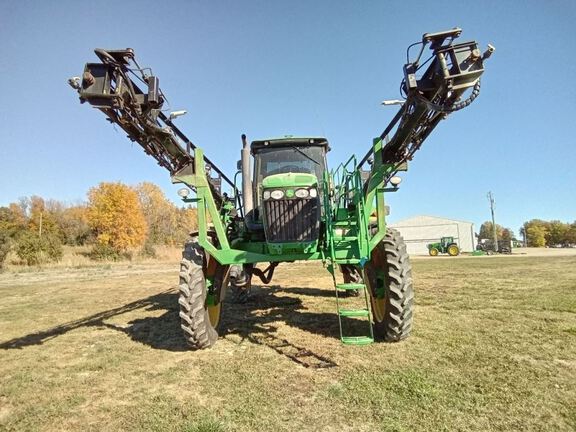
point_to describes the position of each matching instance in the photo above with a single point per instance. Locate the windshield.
(278, 160)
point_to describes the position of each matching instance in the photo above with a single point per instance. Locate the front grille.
(291, 220)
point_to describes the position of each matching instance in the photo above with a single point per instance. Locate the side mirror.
(239, 165)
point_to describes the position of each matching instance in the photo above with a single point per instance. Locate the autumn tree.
(161, 215)
(31, 229)
(502, 233)
(187, 222)
(536, 231)
(11, 221)
(73, 222)
(40, 218)
(116, 218)
(507, 234)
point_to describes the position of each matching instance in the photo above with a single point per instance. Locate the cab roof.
(289, 141)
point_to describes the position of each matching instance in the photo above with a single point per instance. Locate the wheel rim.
(453, 250)
(433, 252)
(378, 308)
(375, 281)
(214, 314)
(215, 310)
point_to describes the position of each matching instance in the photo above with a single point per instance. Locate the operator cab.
(284, 155)
(287, 187)
(277, 160)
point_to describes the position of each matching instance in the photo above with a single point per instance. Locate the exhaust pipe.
(247, 193)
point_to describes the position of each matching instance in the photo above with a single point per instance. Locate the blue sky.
(269, 68)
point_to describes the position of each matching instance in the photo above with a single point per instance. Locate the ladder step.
(354, 312)
(350, 286)
(346, 261)
(357, 340)
(344, 224)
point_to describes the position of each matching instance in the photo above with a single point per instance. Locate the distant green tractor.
(446, 245)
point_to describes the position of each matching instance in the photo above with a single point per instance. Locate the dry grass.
(77, 257)
(99, 348)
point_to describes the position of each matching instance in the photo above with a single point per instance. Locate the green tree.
(5, 246)
(571, 236)
(116, 218)
(12, 223)
(9, 223)
(557, 233)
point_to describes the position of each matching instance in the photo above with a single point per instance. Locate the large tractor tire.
(453, 250)
(199, 319)
(388, 278)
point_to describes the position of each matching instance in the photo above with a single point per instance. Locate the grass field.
(99, 348)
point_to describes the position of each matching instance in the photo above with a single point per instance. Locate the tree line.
(116, 221)
(540, 233)
(536, 232)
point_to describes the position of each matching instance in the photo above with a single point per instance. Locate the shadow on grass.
(253, 321)
(161, 301)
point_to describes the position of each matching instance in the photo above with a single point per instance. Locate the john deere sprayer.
(284, 204)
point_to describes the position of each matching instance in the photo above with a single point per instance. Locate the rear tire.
(350, 275)
(388, 277)
(197, 319)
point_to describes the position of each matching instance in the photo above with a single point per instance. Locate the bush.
(103, 252)
(35, 250)
(148, 250)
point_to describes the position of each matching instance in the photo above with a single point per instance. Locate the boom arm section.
(110, 87)
(452, 70)
(431, 95)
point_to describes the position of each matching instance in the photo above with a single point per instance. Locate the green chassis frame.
(341, 187)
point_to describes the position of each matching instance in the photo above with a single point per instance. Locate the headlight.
(277, 194)
(266, 195)
(313, 193)
(183, 192)
(302, 193)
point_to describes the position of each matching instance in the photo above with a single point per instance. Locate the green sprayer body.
(284, 204)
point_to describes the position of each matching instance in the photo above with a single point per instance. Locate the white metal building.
(418, 231)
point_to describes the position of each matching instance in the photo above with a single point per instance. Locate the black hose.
(455, 106)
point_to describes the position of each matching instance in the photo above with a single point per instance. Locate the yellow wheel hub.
(453, 250)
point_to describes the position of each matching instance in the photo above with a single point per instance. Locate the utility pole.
(494, 232)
